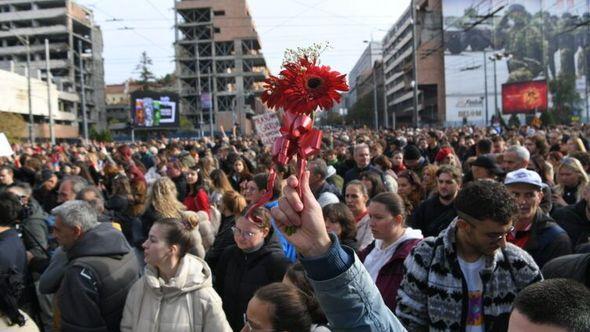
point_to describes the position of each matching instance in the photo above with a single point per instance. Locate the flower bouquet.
(302, 88)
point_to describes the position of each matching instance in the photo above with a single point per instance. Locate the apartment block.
(398, 55)
(65, 24)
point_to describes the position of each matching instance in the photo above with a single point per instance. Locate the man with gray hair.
(100, 271)
(362, 162)
(515, 157)
(70, 186)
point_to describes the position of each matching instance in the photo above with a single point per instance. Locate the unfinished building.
(64, 23)
(218, 54)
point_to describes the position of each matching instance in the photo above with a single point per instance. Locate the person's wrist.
(318, 248)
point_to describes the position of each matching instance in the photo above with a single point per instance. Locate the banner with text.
(267, 125)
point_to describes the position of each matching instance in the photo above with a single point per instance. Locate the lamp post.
(415, 116)
(495, 58)
(83, 92)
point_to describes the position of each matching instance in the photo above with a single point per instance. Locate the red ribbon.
(298, 137)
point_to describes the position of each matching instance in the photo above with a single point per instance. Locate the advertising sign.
(524, 97)
(154, 110)
(267, 126)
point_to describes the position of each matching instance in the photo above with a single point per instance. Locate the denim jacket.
(346, 292)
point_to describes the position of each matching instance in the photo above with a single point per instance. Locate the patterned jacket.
(433, 293)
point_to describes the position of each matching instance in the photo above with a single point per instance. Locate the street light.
(83, 88)
(25, 41)
(495, 58)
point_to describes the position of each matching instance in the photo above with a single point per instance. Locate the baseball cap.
(524, 176)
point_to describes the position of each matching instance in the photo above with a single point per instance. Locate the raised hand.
(311, 238)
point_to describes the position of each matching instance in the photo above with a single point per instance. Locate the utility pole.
(485, 86)
(29, 93)
(210, 106)
(375, 111)
(82, 92)
(415, 115)
(48, 68)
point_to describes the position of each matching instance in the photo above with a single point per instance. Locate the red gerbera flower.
(303, 86)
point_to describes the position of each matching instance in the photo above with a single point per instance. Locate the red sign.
(524, 97)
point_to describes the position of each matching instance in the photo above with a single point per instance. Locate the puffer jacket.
(433, 292)
(186, 303)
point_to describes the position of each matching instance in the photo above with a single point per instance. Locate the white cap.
(327, 198)
(524, 176)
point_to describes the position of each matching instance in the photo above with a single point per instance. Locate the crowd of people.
(455, 229)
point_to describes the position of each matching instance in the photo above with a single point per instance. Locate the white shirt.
(379, 256)
(471, 272)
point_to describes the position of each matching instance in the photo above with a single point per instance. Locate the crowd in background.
(452, 228)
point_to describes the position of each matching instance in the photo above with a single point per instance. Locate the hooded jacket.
(239, 275)
(186, 302)
(391, 273)
(36, 232)
(101, 270)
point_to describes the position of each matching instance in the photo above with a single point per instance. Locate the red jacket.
(391, 274)
(198, 202)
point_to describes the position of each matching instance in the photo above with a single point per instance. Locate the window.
(219, 12)
(217, 30)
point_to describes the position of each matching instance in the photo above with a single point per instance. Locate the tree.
(186, 124)
(13, 126)
(362, 111)
(565, 96)
(146, 76)
(100, 136)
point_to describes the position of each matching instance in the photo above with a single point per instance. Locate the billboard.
(524, 97)
(153, 110)
(491, 43)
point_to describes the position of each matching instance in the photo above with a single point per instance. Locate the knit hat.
(412, 152)
(443, 153)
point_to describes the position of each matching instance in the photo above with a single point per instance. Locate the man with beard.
(436, 213)
(467, 277)
(535, 231)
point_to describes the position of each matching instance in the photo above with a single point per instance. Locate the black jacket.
(223, 240)
(238, 275)
(47, 199)
(572, 218)
(576, 267)
(547, 241)
(431, 216)
(355, 172)
(181, 186)
(12, 252)
(100, 273)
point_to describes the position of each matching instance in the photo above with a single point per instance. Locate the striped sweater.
(433, 293)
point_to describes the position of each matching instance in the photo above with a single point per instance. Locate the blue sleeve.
(350, 300)
(335, 262)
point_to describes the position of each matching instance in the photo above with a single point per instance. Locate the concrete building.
(14, 92)
(218, 53)
(399, 65)
(363, 67)
(64, 23)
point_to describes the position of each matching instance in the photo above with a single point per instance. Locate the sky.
(133, 26)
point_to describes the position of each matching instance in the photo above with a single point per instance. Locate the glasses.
(249, 327)
(242, 233)
(495, 237)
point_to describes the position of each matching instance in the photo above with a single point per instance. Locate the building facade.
(398, 55)
(65, 24)
(363, 67)
(219, 63)
(14, 91)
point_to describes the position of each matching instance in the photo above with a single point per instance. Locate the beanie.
(412, 152)
(443, 153)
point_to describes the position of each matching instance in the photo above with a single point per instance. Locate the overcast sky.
(133, 26)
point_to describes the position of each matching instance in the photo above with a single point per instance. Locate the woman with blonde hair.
(219, 185)
(429, 179)
(575, 144)
(175, 294)
(161, 203)
(571, 179)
